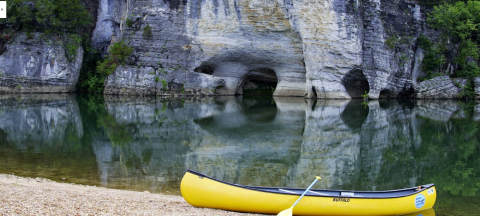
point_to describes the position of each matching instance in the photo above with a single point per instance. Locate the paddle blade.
(286, 212)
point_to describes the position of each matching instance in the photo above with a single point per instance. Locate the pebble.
(39, 196)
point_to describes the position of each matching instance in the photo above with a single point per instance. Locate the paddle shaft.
(298, 200)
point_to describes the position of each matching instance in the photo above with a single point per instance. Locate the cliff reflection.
(250, 142)
(41, 136)
(147, 143)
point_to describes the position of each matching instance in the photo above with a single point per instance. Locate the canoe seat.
(348, 194)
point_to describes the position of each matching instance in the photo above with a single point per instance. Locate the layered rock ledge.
(38, 64)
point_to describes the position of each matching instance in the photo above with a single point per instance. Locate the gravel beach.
(38, 196)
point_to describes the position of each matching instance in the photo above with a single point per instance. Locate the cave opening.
(205, 69)
(384, 94)
(260, 82)
(356, 83)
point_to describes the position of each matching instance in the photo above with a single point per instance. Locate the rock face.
(477, 87)
(107, 27)
(477, 113)
(308, 48)
(38, 65)
(442, 87)
(208, 48)
(322, 49)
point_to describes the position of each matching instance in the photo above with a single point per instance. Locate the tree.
(459, 23)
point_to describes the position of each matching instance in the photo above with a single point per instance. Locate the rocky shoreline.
(39, 196)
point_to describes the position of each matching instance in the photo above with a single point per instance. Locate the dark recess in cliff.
(356, 83)
(92, 8)
(175, 4)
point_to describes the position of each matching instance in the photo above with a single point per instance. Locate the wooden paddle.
(289, 211)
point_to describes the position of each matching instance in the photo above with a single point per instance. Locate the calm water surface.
(147, 144)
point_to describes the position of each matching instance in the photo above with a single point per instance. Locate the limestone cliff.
(38, 64)
(307, 48)
(312, 48)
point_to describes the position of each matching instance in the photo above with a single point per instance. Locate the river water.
(147, 144)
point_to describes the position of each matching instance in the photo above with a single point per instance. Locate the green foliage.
(467, 53)
(117, 133)
(72, 16)
(20, 12)
(71, 43)
(53, 16)
(45, 14)
(365, 96)
(106, 67)
(129, 22)
(457, 20)
(91, 105)
(67, 19)
(147, 32)
(90, 81)
(434, 57)
(164, 84)
(157, 79)
(118, 54)
(162, 70)
(468, 91)
(364, 104)
(459, 23)
(391, 42)
(459, 146)
(469, 70)
(95, 84)
(29, 35)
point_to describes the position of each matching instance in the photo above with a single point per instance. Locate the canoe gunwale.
(268, 190)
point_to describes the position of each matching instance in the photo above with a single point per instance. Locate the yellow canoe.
(203, 191)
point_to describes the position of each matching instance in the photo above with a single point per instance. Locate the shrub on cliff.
(459, 23)
(92, 76)
(147, 32)
(89, 80)
(67, 19)
(129, 22)
(53, 16)
(434, 57)
(118, 54)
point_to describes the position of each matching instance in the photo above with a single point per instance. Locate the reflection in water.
(148, 143)
(353, 116)
(41, 135)
(250, 148)
(427, 212)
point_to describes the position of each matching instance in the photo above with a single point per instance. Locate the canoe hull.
(202, 191)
